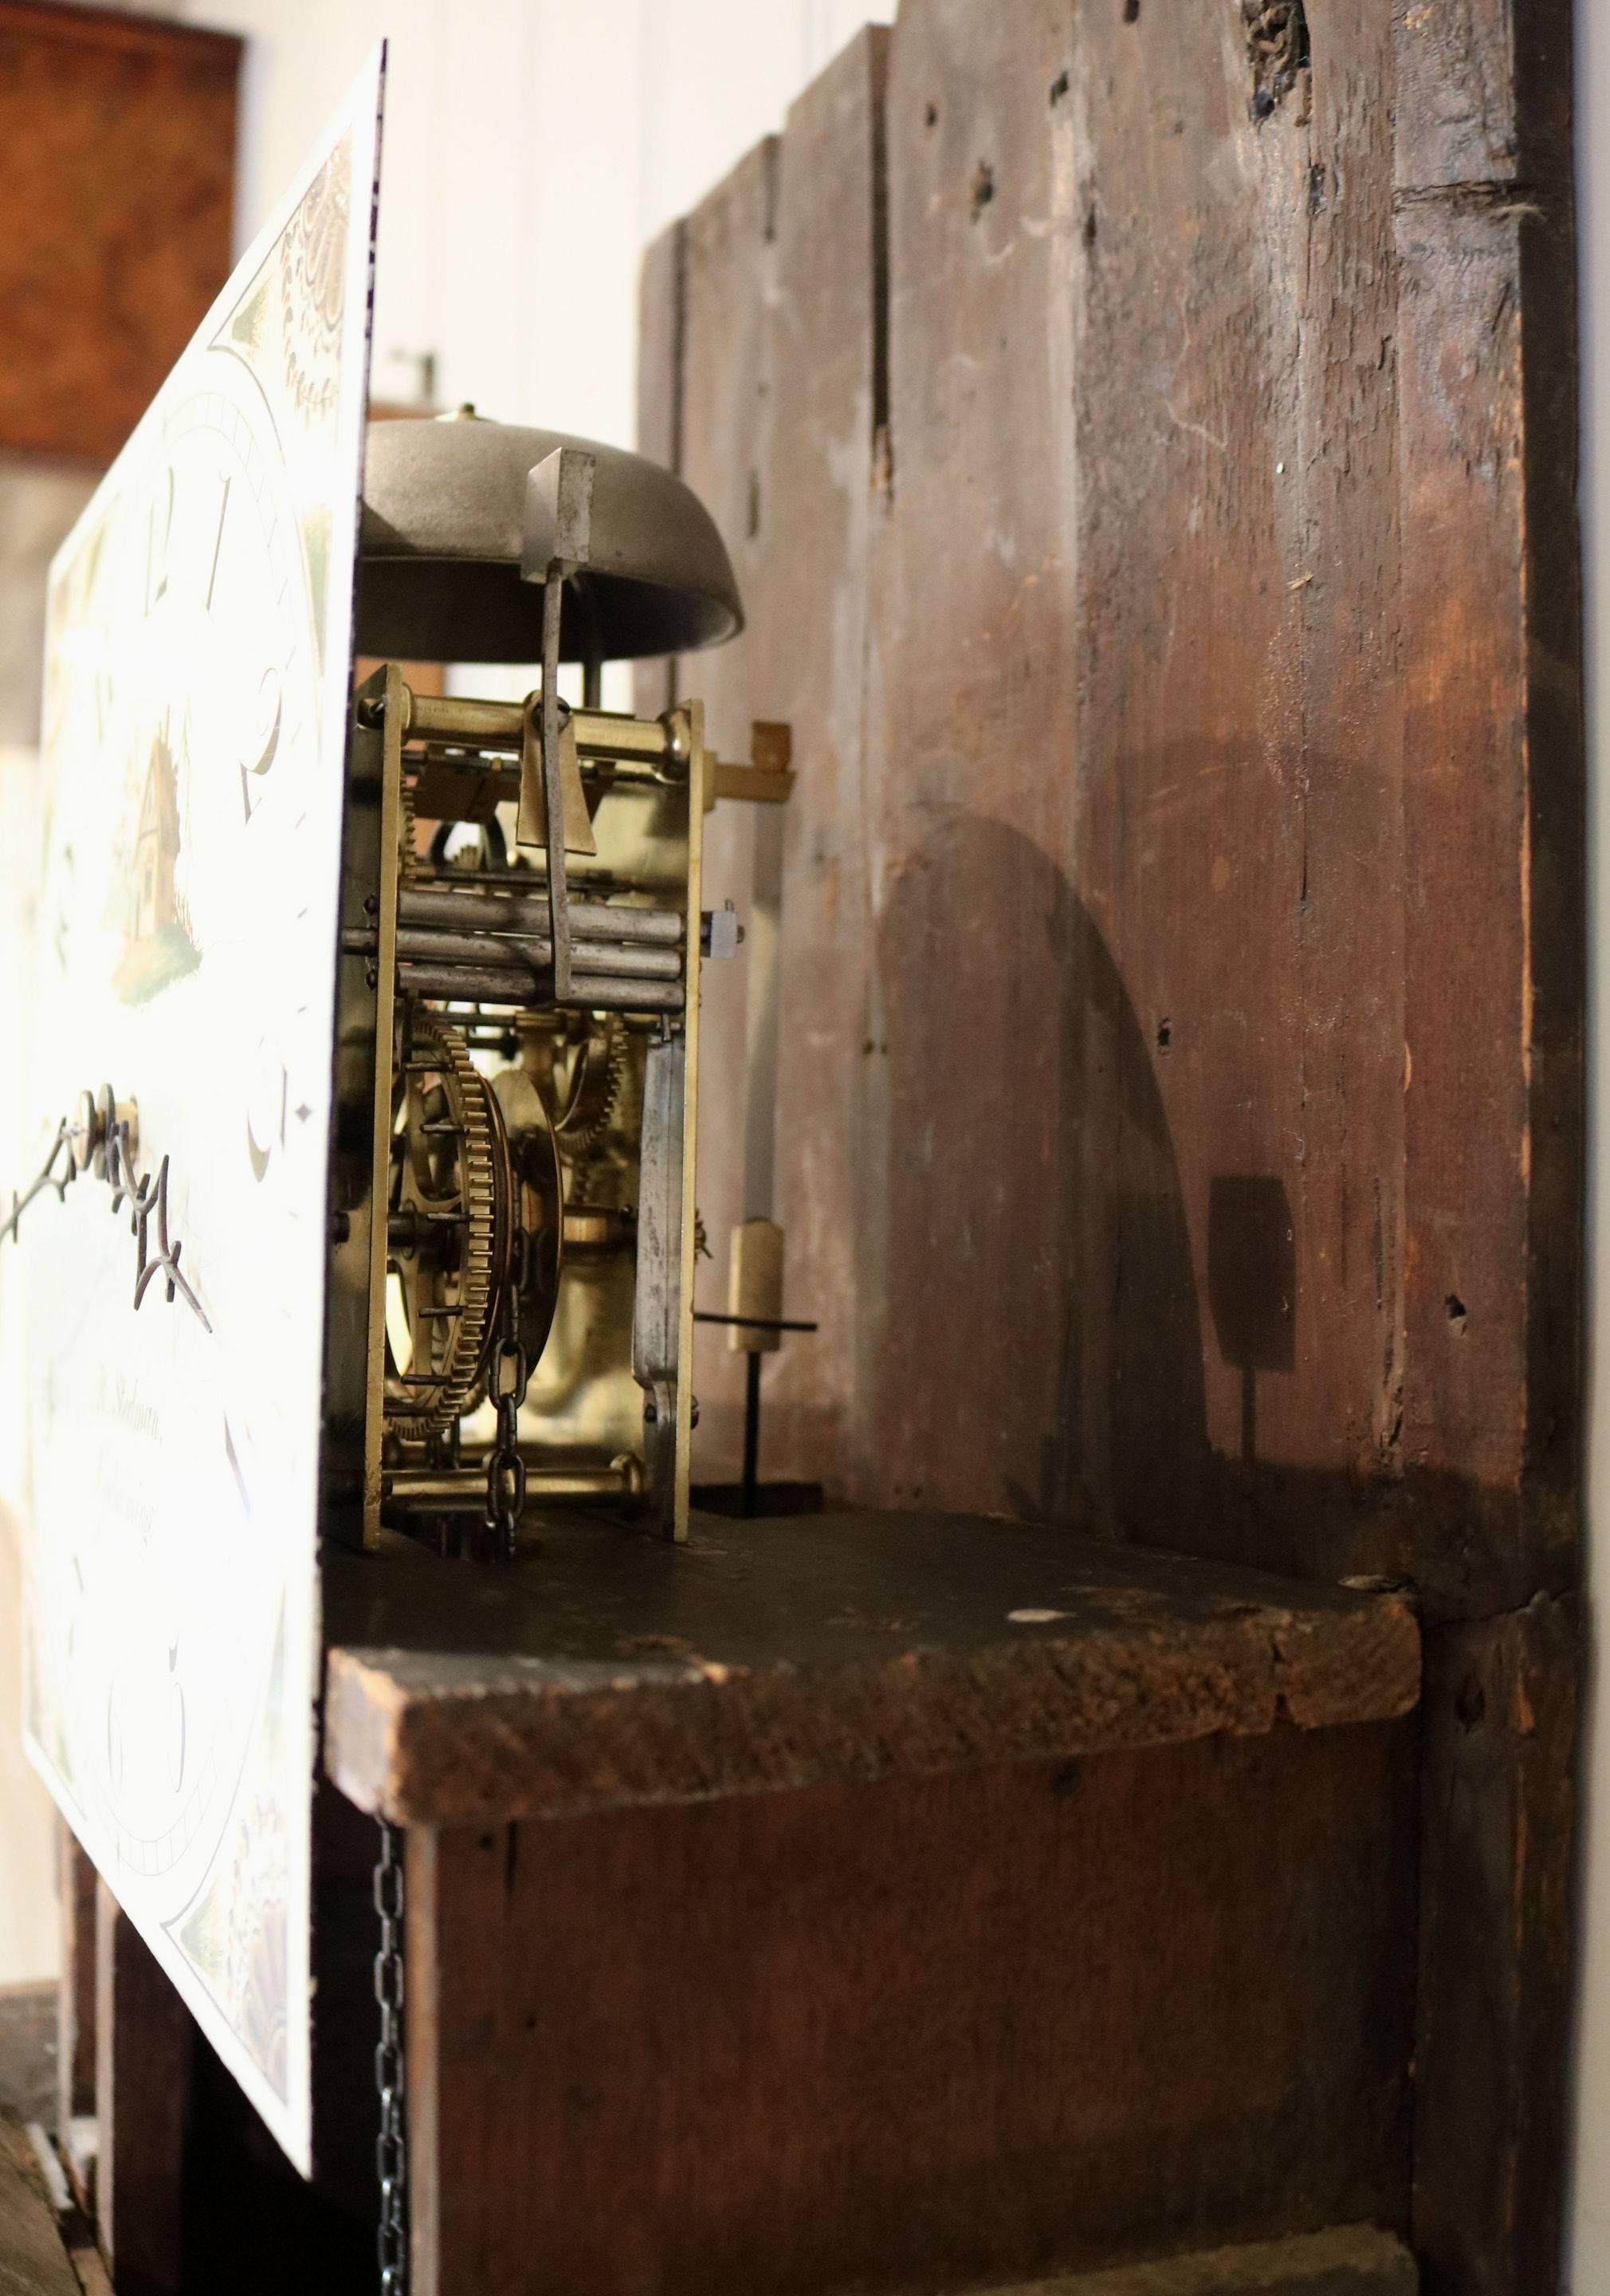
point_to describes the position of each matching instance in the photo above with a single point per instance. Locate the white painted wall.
(1588, 2253)
(532, 148)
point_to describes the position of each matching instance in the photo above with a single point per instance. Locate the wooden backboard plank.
(1493, 807)
(776, 413)
(825, 489)
(1182, 1106)
(1240, 833)
(724, 425)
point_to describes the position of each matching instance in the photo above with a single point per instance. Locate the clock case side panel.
(361, 1117)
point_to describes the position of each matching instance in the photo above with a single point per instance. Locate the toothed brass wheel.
(540, 1199)
(452, 1192)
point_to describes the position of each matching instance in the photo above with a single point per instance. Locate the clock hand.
(48, 1178)
(149, 1198)
(102, 1139)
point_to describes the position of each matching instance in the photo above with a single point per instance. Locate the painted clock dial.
(199, 662)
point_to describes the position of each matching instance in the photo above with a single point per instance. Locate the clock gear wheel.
(597, 1074)
(407, 856)
(540, 1200)
(452, 1203)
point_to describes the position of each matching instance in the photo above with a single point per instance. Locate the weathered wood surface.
(1493, 2016)
(1181, 916)
(145, 2055)
(917, 2034)
(611, 1668)
(1493, 784)
(27, 2050)
(1346, 2261)
(33, 2262)
(76, 1989)
(117, 183)
(1179, 1117)
(767, 388)
(193, 2194)
(723, 419)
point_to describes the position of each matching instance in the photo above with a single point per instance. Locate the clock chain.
(391, 2145)
(512, 1373)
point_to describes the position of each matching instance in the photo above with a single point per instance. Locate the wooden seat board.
(608, 1669)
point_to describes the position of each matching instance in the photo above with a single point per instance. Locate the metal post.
(751, 1435)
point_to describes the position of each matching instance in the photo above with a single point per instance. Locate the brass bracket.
(767, 778)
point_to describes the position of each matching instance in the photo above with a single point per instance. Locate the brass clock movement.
(365, 1065)
(521, 935)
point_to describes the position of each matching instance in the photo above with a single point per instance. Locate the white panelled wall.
(532, 148)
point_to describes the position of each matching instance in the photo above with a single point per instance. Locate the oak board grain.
(917, 2034)
(610, 1669)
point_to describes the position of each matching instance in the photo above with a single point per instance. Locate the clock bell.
(518, 1017)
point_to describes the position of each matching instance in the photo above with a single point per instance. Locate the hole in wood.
(1277, 48)
(1455, 1306)
(983, 188)
(1471, 1704)
(1059, 87)
(1131, 11)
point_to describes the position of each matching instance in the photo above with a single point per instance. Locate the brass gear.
(599, 1073)
(450, 1202)
(407, 856)
(540, 1195)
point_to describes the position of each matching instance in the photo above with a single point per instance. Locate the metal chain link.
(506, 1470)
(391, 2145)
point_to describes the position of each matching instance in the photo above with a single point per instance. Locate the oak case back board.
(1151, 470)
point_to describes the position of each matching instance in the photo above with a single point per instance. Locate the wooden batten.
(145, 2056)
(76, 1991)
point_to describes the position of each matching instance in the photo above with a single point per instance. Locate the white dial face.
(187, 963)
(197, 670)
